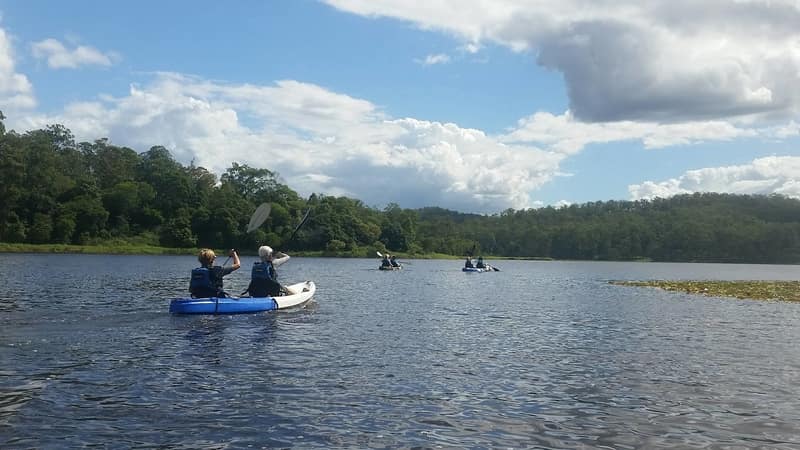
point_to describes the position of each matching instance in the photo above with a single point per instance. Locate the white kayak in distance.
(300, 294)
(479, 269)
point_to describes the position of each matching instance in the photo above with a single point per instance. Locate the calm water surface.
(538, 355)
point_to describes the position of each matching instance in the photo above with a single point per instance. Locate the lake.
(537, 355)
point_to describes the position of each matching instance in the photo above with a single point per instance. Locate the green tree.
(178, 232)
(125, 203)
(255, 185)
(168, 178)
(398, 230)
(90, 217)
(41, 229)
(111, 165)
(12, 229)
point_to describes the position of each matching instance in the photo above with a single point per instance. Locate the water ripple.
(540, 355)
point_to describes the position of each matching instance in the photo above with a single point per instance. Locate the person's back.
(480, 264)
(206, 280)
(468, 263)
(263, 280)
(393, 261)
(386, 262)
(263, 276)
(203, 283)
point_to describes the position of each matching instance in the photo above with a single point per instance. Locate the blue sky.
(468, 105)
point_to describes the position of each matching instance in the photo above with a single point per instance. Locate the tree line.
(57, 191)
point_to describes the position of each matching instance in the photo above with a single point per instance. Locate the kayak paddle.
(259, 216)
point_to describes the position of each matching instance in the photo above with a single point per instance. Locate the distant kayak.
(477, 269)
(301, 293)
(389, 267)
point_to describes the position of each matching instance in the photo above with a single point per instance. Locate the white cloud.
(318, 140)
(659, 60)
(773, 174)
(786, 130)
(60, 57)
(566, 135)
(16, 92)
(431, 60)
(471, 48)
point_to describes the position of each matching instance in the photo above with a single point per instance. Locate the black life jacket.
(204, 283)
(264, 280)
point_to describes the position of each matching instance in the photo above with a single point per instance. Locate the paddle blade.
(259, 216)
(380, 255)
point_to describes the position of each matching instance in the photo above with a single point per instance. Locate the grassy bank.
(757, 290)
(105, 249)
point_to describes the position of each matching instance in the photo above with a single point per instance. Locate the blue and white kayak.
(301, 293)
(476, 269)
(390, 267)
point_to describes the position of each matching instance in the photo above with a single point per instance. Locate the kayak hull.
(389, 268)
(301, 293)
(476, 269)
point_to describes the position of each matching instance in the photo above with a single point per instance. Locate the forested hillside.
(54, 190)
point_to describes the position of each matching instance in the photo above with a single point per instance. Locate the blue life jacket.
(204, 283)
(264, 280)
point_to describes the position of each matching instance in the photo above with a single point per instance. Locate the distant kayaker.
(480, 264)
(393, 261)
(206, 280)
(468, 263)
(386, 262)
(264, 277)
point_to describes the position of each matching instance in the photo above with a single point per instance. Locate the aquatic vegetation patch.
(757, 290)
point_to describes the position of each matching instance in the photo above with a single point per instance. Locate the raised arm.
(235, 256)
(279, 258)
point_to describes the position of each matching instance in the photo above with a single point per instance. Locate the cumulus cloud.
(58, 56)
(318, 140)
(660, 60)
(16, 92)
(773, 174)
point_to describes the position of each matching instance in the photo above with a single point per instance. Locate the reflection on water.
(540, 354)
